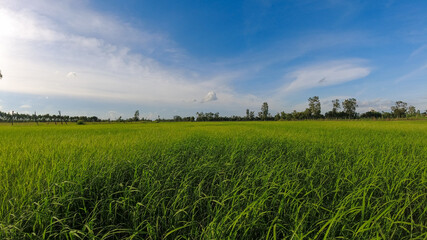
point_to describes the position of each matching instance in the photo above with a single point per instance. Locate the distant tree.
(200, 116)
(216, 116)
(264, 111)
(283, 115)
(335, 105)
(286, 116)
(334, 112)
(411, 111)
(301, 115)
(387, 115)
(35, 118)
(371, 114)
(277, 117)
(247, 114)
(399, 110)
(251, 115)
(307, 114)
(349, 106)
(177, 118)
(60, 117)
(295, 115)
(314, 106)
(136, 116)
(93, 119)
(1, 76)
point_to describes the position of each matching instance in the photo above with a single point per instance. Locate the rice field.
(238, 180)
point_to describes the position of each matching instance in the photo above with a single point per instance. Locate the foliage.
(314, 107)
(349, 106)
(312, 112)
(371, 114)
(264, 114)
(399, 110)
(136, 116)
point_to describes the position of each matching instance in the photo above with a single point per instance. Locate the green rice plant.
(241, 180)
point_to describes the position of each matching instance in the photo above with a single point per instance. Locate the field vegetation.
(234, 180)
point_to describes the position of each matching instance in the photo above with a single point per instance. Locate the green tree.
(252, 115)
(314, 106)
(399, 110)
(264, 111)
(349, 106)
(411, 111)
(136, 116)
(335, 105)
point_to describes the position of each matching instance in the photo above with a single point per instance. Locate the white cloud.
(326, 74)
(25, 106)
(30, 39)
(211, 96)
(41, 42)
(72, 75)
(378, 104)
(103, 62)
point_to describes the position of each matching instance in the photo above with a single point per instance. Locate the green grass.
(246, 180)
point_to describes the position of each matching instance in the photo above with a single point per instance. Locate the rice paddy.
(223, 180)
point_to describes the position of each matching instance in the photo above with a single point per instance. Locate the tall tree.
(399, 110)
(264, 111)
(349, 106)
(35, 118)
(136, 116)
(60, 117)
(411, 111)
(335, 105)
(314, 106)
(252, 115)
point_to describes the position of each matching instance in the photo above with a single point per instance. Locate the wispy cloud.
(418, 50)
(414, 74)
(326, 74)
(25, 106)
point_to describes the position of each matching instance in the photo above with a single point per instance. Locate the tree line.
(340, 110)
(44, 118)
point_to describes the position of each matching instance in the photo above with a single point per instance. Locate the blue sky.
(110, 58)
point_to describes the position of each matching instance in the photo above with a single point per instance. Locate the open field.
(245, 180)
